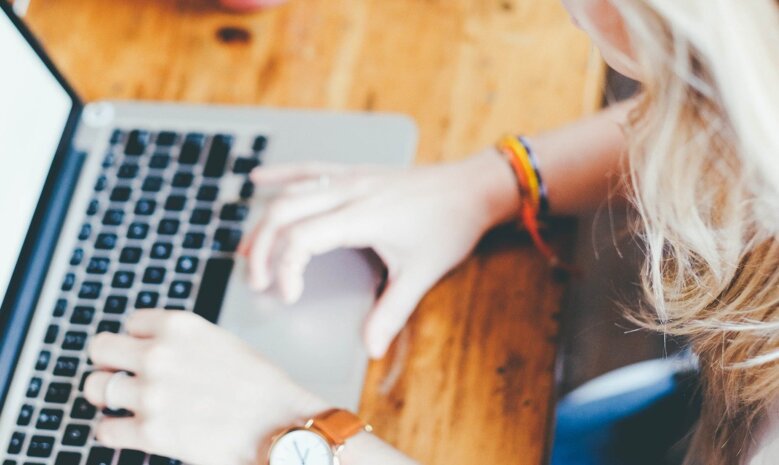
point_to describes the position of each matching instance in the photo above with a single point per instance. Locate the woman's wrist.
(495, 186)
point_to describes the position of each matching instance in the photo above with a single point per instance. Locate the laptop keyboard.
(157, 231)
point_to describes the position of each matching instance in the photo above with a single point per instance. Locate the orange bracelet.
(529, 208)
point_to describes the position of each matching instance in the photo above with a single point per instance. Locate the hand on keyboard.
(198, 393)
(421, 222)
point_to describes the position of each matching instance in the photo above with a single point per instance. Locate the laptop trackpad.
(318, 340)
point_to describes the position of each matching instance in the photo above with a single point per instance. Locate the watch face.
(301, 447)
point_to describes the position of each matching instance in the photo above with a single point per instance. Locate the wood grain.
(473, 380)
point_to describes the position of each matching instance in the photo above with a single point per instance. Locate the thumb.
(396, 304)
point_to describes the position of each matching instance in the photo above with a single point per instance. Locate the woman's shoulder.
(764, 442)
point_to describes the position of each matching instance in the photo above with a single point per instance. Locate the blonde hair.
(704, 177)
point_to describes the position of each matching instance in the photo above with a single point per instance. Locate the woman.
(697, 153)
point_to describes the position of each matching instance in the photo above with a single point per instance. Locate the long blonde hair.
(704, 177)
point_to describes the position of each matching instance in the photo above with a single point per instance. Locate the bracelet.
(534, 201)
(543, 207)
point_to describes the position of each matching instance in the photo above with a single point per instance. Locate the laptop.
(109, 207)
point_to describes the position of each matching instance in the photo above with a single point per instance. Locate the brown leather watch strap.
(339, 425)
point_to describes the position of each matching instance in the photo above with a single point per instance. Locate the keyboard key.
(234, 212)
(100, 456)
(159, 161)
(180, 289)
(182, 179)
(123, 279)
(117, 136)
(247, 190)
(105, 241)
(127, 171)
(167, 138)
(43, 360)
(101, 183)
(121, 194)
(83, 380)
(200, 216)
(175, 203)
(174, 307)
(217, 156)
(137, 230)
(49, 419)
(212, 288)
(154, 275)
(74, 340)
(34, 388)
(75, 435)
(191, 149)
(25, 415)
(186, 265)
(131, 255)
(207, 193)
(245, 165)
(40, 446)
(109, 160)
(168, 227)
(90, 290)
(58, 393)
(17, 441)
(60, 307)
(147, 299)
(158, 460)
(108, 326)
(131, 457)
(115, 304)
(137, 141)
(113, 217)
(68, 458)
(77, 256)
(145, 207)
(82, 410)
(193, 240)
(260, 142)
(98, 265)
(93, 207)
(51, 334)
(161, 250)
(152, 184)
(85, 232)
(68, 282)
(66, 366)
(226, 239)
(82, 315)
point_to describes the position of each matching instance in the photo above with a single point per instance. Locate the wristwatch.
(319, 442)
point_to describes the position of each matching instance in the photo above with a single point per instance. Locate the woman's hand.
(421, 222)
(199, 394)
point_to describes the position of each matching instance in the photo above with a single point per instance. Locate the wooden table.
(477, 370)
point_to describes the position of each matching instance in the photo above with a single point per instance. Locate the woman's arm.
(579, 163)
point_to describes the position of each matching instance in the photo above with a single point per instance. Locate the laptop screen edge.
(32, 265)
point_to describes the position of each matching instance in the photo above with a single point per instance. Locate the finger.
(281, 213)
(297, 244)
(122, 433)
(117, 352)
(146, 323)
(274, 175)
(391, 312)
(125, 391)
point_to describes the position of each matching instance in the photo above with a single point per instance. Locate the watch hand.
(305, 457)
(300, 456)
